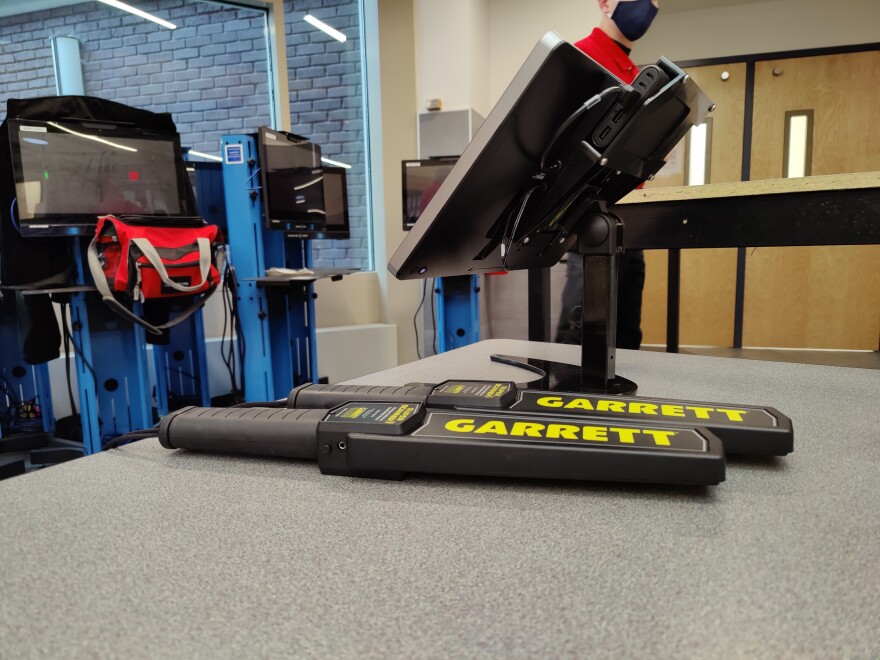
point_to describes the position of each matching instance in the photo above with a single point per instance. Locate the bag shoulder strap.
(153, 257)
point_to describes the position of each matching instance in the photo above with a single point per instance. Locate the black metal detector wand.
(390, 440)
(743, 429)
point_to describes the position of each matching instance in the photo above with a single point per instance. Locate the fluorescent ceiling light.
(138, 12)
(193, 152)
(333, 162)
(321, 25)
(91, 137)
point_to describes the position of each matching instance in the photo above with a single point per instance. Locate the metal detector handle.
(278, 432)
(330, 396)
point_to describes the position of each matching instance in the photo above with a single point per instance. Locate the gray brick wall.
(211, 75)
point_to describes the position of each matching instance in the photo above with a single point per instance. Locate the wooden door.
(708, 277)
(816, 297)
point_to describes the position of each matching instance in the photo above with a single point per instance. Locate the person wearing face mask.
(623, 22)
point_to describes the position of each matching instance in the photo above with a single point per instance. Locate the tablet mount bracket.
(600, 243)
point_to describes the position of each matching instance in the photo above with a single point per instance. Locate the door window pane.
(798, 156)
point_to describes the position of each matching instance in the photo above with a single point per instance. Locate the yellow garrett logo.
(639, 408)
(555, 431)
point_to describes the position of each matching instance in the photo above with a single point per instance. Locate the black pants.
(631, 281)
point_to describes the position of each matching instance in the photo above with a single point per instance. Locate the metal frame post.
(278, 322)
(245, 234)
(112, 374)
(458, 312)
(181, 367)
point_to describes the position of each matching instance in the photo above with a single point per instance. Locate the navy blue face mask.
(634, 18)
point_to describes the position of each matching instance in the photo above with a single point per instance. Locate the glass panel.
(211, 73)
(68, 66)
(698, 155)
(798, 141)
(327, 106)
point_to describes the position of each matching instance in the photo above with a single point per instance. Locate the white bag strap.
(153, 257)
(97, 272)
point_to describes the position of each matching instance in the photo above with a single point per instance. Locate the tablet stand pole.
(600, 242)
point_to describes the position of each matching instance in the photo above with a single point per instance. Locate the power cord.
(69, 341)
(239, 332)
(232, 318)
(434, 313)
(12, 215)
(132, 436)
(230, 368)
(67, 357)
(590, 103)
(505, 247)
(416, 315)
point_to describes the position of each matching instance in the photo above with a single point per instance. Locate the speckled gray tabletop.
(144, 552)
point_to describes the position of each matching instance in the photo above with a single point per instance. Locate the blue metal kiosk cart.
(276, 313)
(72, 159)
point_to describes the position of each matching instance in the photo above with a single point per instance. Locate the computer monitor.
(421, 180)
(565, 134)
(69, 172)
(292, 181)
(337, 223)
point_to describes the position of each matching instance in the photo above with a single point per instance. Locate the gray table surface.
(144, 552)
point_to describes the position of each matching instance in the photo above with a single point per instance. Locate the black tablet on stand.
(566, 140)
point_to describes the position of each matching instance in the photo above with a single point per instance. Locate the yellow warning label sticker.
(401, 414)
(352, 413)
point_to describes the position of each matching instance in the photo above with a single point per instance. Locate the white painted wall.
(347, 352)
(480, 92)
(452, 53)
(735, 29)
(762, 27)
(515, 26)
(391, 86)
(354, 300)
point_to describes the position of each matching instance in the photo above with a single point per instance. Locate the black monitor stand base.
(600, 242)
(563, 377)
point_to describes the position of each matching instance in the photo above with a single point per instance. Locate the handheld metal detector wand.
(743, 429)
(392, 439)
